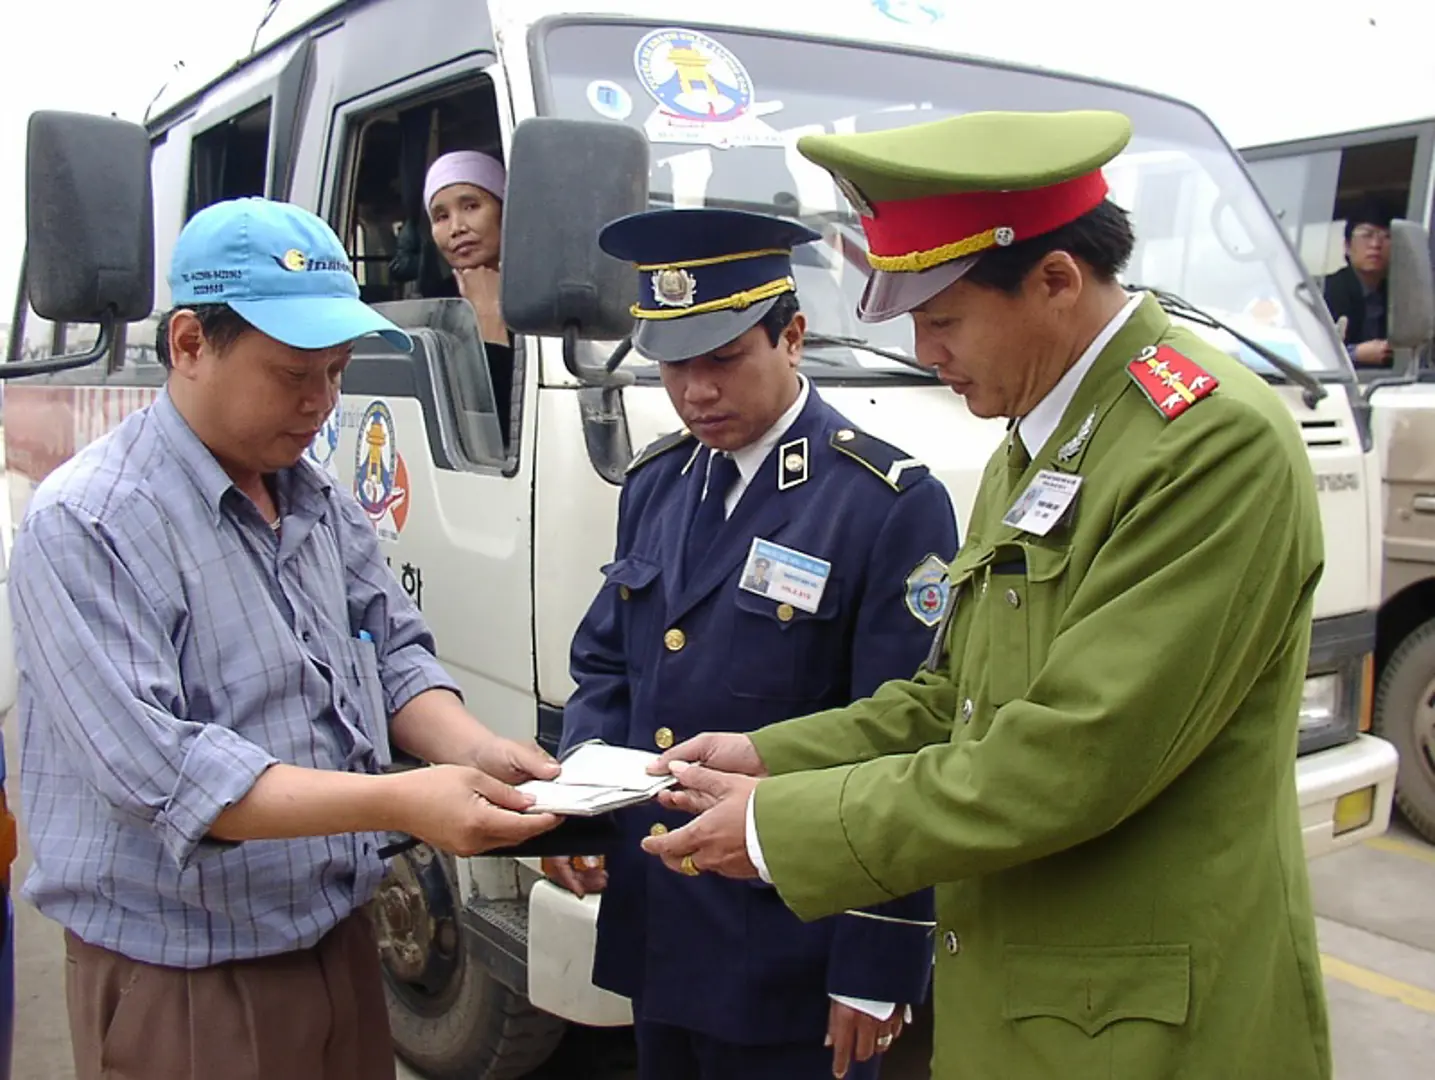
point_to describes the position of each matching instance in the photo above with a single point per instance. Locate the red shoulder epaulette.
(1171, 381)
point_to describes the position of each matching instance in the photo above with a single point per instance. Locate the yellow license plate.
(1355, 810)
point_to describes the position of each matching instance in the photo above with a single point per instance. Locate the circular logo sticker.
(294, 260)
(693, 77)
(381, 480)
(610, 100)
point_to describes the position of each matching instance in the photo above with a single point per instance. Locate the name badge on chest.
(785, 575)
(1044, 503)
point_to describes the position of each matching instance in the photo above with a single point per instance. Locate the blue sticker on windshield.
(910, 11)
(704, 93)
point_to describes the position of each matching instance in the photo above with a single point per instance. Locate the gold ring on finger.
(689, 867)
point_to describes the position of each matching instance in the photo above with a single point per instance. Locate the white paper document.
(596, 778)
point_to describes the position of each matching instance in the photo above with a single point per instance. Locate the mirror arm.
(17, 322)
(624, 348)
(16, 369)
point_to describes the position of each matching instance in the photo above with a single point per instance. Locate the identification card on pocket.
(784, 575)
(1044, 503)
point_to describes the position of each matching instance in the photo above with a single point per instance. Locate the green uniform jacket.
(1098, 773)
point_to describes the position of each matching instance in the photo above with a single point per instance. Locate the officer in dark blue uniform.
(772, 561)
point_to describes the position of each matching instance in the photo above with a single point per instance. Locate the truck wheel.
(450, 1018)
(1405, 716)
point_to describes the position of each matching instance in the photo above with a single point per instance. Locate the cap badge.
(674, 288)
(1004, 236)
(294, 260)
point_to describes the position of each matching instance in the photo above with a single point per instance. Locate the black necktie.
(711, 512)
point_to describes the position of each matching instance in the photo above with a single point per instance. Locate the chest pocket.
(779, 653)
(1025, 597)
(638, 584)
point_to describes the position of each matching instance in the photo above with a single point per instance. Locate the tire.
(453, 1021)
(1405, 717)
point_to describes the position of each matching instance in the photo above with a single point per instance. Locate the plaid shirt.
(171, 647)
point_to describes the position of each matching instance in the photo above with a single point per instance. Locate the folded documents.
(596, 778)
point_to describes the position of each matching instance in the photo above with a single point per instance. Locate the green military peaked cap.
(934, 196)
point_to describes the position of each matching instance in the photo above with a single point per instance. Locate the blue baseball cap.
(281, 268)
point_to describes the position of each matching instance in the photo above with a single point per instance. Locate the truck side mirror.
(89, 217)
(566, 180)
(1411, 319)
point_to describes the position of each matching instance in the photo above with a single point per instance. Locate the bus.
(506, 465)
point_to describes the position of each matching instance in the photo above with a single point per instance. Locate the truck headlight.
(1320, 702)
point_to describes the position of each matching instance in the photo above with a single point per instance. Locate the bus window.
(386, 229)
(230, 160)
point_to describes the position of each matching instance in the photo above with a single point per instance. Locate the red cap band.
(917, 234)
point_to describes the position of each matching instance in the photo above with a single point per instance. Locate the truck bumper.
(1345, 794)
(562, 931)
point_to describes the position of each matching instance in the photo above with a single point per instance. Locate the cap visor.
(892, 293)
(319, 322)
(671, 341)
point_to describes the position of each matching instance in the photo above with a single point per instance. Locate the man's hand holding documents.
(596, 778)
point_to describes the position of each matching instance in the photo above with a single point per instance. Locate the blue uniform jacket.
(727, 958)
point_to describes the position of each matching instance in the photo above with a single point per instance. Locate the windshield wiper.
(1313, 391)
(828, 341)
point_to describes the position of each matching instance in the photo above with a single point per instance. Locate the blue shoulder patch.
(896, 469)
(659, 447)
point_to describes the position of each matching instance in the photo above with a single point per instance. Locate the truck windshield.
(722, 110)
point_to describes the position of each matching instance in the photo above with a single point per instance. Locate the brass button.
(784, 612)
(675, 639)
(658, 830)
(664, 738)
(967, 709)
(985, 583)
(1013, 598)
(952, 942)
(624, 591)
(846, 435)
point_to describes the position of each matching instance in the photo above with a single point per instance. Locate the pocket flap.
(1045, 563)
(632, 572)
(768, 607)
(1095, 987)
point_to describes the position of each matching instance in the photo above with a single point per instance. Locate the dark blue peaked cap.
(706, 277)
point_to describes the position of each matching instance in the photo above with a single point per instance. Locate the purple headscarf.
(465, 167)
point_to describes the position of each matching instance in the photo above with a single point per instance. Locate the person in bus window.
(463, 195)
(1358, 292)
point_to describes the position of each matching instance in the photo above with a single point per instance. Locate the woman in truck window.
(463, 194)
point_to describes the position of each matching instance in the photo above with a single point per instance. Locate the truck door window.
(386, 229)
(230, 160)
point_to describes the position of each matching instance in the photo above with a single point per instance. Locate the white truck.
(504, 465)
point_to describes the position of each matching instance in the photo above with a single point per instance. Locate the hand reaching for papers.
(717, 839)
(725, 752)
(580, 874)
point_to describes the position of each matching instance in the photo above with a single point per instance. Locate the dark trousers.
(316, 1014)
(673, 1053)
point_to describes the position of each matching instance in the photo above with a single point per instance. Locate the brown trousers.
(317, 1014)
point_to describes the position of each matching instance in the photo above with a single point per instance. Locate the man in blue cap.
(771, 560)
(215, 660)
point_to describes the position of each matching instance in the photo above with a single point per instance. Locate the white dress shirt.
(1035, 428)
(750, 458)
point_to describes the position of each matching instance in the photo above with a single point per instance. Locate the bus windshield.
(722, 111)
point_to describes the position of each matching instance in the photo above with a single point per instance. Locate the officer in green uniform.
(1095, 765)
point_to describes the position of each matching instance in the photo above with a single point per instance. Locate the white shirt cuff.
(877, 1010)
(754, 849)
